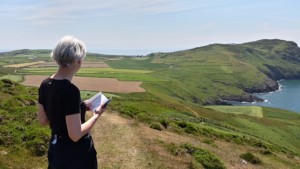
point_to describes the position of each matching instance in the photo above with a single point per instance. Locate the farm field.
(85, 64)
(92, 84)
(120, 74)
(19, 65)
(254, 111)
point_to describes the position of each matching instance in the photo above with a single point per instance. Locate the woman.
(60, 106)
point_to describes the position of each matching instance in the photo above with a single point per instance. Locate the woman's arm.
(76, 130)
(42, 115)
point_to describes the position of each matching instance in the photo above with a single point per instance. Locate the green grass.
(132, 63)
(120, 74)
(250, 158)
(88, 94)
(203, 157)
(111, 70)
(15, 78)
(206, 158)
(87, 70)
(21, 136)
(254, 111)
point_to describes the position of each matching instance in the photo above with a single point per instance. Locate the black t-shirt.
(59, 99)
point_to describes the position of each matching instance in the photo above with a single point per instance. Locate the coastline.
(250, 95)
(283, 98)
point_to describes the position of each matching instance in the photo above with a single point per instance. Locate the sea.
(287, 97)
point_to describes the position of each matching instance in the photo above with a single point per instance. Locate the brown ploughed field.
(92, 84)
(85, 64)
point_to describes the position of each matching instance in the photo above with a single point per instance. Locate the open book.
(99, 100)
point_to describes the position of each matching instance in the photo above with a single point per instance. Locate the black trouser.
(65, 154)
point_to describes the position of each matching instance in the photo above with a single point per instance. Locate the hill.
(220, 72)
(23, 143)
(166, 140)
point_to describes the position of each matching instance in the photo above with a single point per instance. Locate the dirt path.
(123, 143)
(118, 144)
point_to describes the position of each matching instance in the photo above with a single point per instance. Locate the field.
(24, 64)
(92, 84)
(254, 111)
(120, 74)
(84, 64)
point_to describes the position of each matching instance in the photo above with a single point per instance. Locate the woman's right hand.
(99, 111)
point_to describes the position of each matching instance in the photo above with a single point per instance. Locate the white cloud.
(60, 11)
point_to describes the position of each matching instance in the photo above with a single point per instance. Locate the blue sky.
(144, 26)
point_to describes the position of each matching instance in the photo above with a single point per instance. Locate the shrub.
(144, 117)
(175, 128)
(191, 128)
(129, 111)
(208, 141)
(37, 147)
(172, 148)
(206, 158)
(155, 126)
(266, 152)
(19, 129)
(164, 123)
(250, 158)
(181, 124)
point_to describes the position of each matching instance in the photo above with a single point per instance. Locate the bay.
(287, 97)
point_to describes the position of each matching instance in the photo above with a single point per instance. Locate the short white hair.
(68, 50)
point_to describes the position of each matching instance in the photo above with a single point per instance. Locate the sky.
(137, 27)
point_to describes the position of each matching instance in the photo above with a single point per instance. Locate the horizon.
(135, 52)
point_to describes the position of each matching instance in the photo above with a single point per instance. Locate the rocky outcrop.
(246, 97)
(269, 85)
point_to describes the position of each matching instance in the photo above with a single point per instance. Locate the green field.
(15, 78)
(120, 74)
(254, 111)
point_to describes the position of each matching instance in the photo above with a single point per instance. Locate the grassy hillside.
(192, 136)
(23, 143)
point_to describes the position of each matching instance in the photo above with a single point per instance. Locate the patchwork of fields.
(93, 76)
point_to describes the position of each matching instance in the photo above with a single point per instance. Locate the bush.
(206, 158)
(174, 127)
(181, 124)
(155, 126)
(37, 147)
(164, 123)
(266, 152)
(172, 148)
(208, 141)
(250, 158)
(144, 117)
(191, 128)
(19, 129)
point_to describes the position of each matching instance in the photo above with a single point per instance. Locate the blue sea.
(287, 97)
